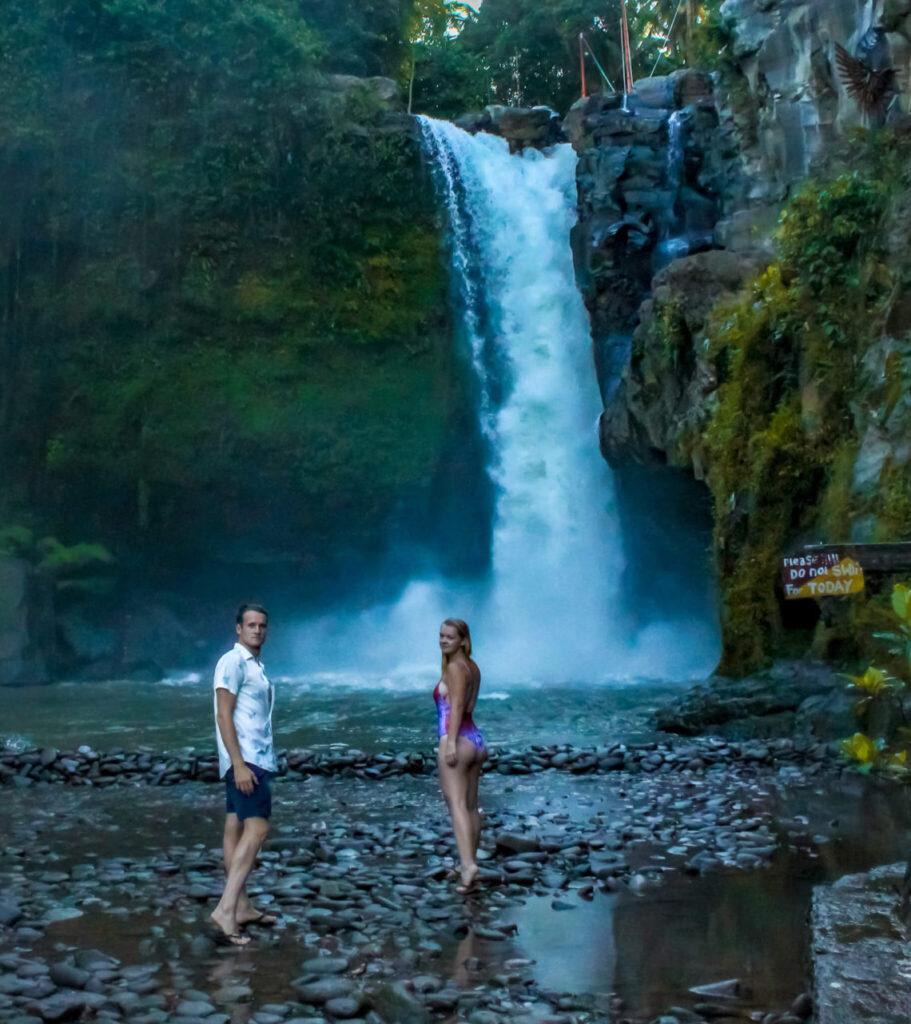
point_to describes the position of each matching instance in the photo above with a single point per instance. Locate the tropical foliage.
(880, 707)
(224, 323)
(527, 51)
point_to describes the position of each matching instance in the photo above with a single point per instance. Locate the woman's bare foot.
(469, 879)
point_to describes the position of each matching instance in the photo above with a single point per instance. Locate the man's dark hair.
(244, 608)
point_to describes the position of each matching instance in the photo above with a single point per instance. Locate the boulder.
(764, 704)
(522, 127)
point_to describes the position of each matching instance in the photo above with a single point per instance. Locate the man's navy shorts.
(258, 804)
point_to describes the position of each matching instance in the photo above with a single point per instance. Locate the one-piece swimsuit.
(467, 728)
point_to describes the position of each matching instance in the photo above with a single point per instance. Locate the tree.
(527, 51)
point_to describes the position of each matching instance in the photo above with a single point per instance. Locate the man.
(246, 760)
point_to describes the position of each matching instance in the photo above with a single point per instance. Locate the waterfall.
(672, 243)
(557, 551)
(551, 607)
(674, 151)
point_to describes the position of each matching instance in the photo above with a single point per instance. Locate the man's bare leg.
(242, 856)
(234, 829)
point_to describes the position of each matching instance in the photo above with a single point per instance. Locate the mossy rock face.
(789, 397)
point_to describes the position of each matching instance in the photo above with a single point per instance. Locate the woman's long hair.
(464, 632)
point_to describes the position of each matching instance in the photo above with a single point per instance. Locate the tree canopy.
(527, 51)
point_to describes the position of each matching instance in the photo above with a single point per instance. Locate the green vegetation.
(782, 440)
(224, 325)
(527, 51)
(76, 570)
(884, 738)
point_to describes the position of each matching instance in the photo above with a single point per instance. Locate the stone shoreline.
(370, 920)
(87, 767)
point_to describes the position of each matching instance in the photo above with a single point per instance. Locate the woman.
(461, 752)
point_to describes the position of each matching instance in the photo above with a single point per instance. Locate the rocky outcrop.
(522, 127)
(787, 105)
(743, 139)
(806, 700)
(665, 393)
(649, 184)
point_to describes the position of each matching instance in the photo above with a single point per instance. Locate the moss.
(781, 441)
(893, 517)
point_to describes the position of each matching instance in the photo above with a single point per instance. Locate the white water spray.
(551, 608)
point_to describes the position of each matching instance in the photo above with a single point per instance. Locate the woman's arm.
(455, 677)
(244, 779)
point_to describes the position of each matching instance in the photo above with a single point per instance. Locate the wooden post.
(582, 64)
(691, 56)
(627, 51)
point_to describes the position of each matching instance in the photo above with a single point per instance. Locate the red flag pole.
(582, 65)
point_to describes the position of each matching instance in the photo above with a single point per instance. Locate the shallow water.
(649, 947)
(378, 715)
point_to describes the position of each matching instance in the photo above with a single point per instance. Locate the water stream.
(552, 605)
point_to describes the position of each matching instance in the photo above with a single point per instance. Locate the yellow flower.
(860, 748)
(873, 681)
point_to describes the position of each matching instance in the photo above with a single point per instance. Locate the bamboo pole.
(691, 15)
(582, 64)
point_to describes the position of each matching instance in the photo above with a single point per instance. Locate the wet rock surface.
(860, 955)
(100, 922)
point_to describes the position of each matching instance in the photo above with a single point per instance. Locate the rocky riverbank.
(87, 767)
(359, 871)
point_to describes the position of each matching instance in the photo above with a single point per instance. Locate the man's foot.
(224, 932)
(469, 880)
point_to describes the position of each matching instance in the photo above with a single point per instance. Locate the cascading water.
(557, 553)
(673, 245)
(550, 608)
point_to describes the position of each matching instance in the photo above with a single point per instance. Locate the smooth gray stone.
(66, 1005)
(10, 912)
(344, 1007)
(194, 1008)
(318, 992)
(94, 960)
(396, 1005)
(325, 965)
(233, 994)
(68, 976)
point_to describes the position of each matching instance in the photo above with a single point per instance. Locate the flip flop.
(262, 920)
(221, 938)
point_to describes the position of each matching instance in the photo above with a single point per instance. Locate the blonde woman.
(461, 751)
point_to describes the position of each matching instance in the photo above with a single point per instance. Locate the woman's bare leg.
(474, 777)
(454, 783)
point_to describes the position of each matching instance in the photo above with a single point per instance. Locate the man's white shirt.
(241, 673)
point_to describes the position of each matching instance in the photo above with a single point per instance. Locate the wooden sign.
(821, 574)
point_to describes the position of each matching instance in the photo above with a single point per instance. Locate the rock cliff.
(680, 192)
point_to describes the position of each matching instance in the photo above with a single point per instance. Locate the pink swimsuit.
(467, 728)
